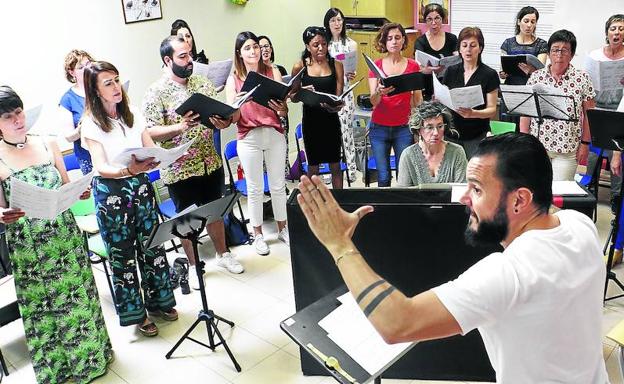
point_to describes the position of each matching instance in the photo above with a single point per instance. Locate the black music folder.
(315, 98)
(208, 107)
(269, 89)
(402, 83)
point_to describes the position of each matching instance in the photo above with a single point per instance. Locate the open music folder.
(315, 98)
(269, 89)
(405, 82)
(208, 107)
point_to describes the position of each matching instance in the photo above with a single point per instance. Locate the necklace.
(18, 145)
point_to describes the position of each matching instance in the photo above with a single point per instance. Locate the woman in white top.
(339, 44)
(125, 201)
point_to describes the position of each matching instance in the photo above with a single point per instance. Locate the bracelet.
(346, 253)
(585, 142)
(130, 172)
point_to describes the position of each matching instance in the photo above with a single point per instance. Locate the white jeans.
(564, 165)
(267, 143)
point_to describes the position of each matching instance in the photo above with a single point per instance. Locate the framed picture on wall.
(141, 10)
(420, 9)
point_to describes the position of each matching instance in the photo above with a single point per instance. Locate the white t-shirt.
(117, 140)
(538, 305)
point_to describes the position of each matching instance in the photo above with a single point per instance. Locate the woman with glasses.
(340, 44)
(434, 42)
(432, 159)
(388, 127)
(566, 141)
(72, 105)
(268, 54)
(473, 124)
(321, 125)
(524, 42)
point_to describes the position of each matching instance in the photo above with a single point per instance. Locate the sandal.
(172, 315)
(149, 329)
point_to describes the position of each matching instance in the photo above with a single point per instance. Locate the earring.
(516, 210)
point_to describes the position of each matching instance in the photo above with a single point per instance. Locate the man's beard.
(491, 231)
(182, 72)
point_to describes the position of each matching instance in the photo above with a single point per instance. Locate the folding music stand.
(188, 225)
(538, 105)
(607, 132)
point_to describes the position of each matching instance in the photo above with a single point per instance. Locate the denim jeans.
(383, 138)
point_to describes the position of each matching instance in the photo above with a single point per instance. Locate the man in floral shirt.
(195, 178)
(566, 141)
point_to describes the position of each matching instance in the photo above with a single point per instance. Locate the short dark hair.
(563, 36)
(468, 32)
(333, 12)
(9, 100)
(528, 10)
(382, 36)
(434, 7)
(521, 162)
(270, 43)
(179, 23)
(166, 49)
(613, 19)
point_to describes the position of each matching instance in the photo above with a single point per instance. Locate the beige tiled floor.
(256, 300)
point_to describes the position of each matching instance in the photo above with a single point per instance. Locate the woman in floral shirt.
(566, 141)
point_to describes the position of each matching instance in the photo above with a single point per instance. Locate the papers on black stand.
(208, 107)
(315, 98)
(425, 59)
(402, 83)
(217, 71)
(509, 64)
(270, 89)
(462, 97)
(520, 100)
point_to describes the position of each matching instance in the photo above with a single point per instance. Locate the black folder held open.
(402, 83)
(270, 89)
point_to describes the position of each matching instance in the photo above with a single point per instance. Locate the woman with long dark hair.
(260, 135)
(321, 125)
(181, 28)
(125, 201)
(340, 44)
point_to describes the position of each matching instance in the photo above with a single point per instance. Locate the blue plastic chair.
(323, 167)
(71, 161)
(166, 208)
(230, 153)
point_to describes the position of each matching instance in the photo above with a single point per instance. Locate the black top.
(450, 45)
(484, 76)
(201, 57)
(512, 47)
(422, 44)
(281, 70)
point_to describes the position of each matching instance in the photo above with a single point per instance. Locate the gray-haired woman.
(432, 159)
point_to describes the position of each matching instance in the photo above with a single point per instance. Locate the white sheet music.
(562, 188)
(605, 75)
(519, 99)
(348, 60)
(425, 59)
(353, 333)
(165, 156)
(467, 97)
(44, 203)
(216, 71)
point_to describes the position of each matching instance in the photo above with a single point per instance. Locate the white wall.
(39, 33)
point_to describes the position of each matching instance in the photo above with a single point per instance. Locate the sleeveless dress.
(321, 129)
(56, 293)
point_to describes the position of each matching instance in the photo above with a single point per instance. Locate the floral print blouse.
(159, 104)
(558, 135)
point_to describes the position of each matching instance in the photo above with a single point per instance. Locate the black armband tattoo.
(377, 300)
(368, 289)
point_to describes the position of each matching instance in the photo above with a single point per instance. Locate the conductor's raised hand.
(10, 215)
(332, 225)
(137, 166)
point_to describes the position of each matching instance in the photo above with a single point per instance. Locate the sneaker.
(284, 236)
(193, 281)
(262, 248)
(227, 261)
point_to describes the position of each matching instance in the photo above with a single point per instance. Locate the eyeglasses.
(431, 128)
(561, 51)
(336, 20)
(265, 46)
(436, 19)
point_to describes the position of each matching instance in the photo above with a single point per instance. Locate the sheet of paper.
(562, 188)
(44, 203)
(519, 99)
(442, 93)
(374, 68)
(348, 60)
(457, 191)
(605, 75)
(551, 102)
(165, 156)
(620, 107)
(425, 59)
(216, 71)
(352, 332)
(534, 61)
(467, 97)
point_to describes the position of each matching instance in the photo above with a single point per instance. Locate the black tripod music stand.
(188, 225)
(607, 132)
(536, 104)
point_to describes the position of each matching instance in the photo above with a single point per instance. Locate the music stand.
(606, 131)
(536, 104)
(188, 225)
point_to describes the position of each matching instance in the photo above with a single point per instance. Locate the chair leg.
(110, 284)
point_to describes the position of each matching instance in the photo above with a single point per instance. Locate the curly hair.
(429, 110)
(74, 57)
(382, 36)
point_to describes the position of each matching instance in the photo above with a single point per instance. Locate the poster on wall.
(141, 10)
(421, 9)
